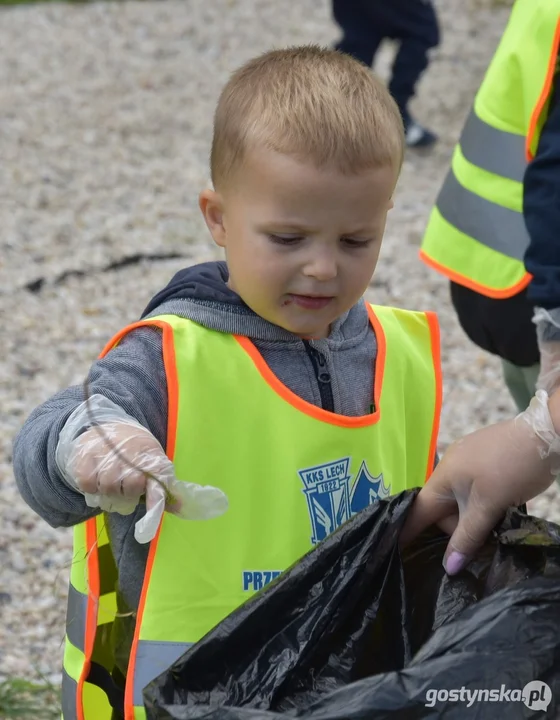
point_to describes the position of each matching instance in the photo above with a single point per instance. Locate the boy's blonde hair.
(311, 103)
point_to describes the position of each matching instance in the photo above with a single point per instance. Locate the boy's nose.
(321, 266)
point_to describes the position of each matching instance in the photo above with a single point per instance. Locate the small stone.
(18, 562)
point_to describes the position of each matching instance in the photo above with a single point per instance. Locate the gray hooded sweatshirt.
(336, 373)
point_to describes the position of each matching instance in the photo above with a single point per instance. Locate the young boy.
(267, 377)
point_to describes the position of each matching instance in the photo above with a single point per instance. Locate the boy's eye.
(294, 239)
(353, 242)
(285, 239)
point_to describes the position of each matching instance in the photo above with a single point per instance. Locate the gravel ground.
(106, 118)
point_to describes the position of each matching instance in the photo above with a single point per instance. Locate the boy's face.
(301, 243)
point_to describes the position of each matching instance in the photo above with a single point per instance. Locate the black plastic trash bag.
(354, 631)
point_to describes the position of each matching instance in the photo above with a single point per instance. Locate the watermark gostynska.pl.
(536, 695)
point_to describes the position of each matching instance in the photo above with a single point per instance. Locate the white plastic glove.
(548, 337)
(101, 463)
(481, 476)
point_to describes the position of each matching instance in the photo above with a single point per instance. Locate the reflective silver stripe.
(153, 658)
(492, 225)
(499, 152)
(76, 618)
(69, 695)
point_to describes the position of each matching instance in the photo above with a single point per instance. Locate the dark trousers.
(365, 23)
(501, 327)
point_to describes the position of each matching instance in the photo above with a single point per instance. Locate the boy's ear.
(212, 207)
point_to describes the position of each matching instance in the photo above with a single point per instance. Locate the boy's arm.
(132, 375)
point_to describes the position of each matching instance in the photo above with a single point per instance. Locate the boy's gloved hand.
(111, 465)
(481, 476)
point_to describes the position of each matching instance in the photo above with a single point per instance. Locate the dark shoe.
(417, 136)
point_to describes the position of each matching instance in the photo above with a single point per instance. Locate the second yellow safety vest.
(292, 472)
(476, 233)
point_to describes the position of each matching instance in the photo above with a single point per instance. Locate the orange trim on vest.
(168, 362)
(312, 410)
(379, 360)
(436, 354)
(170, 365)
(91, 610)
(545, 94)
(129, 688)
(467, 282)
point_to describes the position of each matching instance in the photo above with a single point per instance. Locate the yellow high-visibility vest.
(476, 233)
(292, 472)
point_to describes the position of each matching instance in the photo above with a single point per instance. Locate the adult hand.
(482, 475)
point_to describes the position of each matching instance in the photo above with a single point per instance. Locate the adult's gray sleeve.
(132, 375)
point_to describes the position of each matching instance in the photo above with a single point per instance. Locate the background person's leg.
(415, 25)
(521, 382)
(531, 375)
(361, 38)
(504, 328)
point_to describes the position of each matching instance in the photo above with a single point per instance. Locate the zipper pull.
(323, 375)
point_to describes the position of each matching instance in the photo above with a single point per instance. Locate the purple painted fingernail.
(455, 562)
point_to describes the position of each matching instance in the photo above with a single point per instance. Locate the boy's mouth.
(310, 302)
